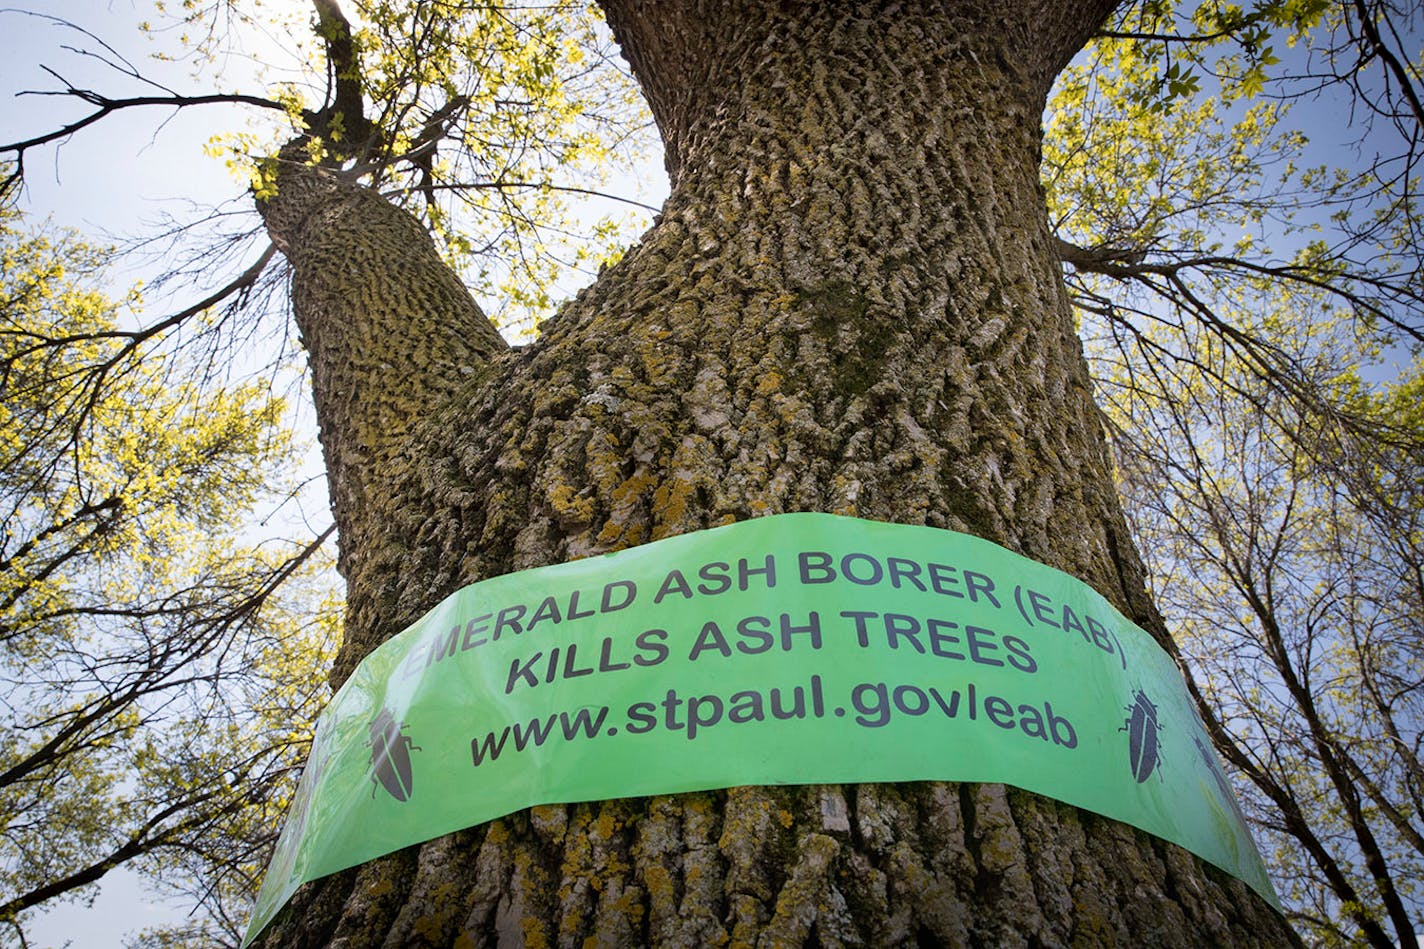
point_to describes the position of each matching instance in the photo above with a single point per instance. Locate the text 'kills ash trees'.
(850, 303)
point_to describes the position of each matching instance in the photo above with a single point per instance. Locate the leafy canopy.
(155, 689)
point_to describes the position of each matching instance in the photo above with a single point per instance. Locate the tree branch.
(105, 106)
(343, 122)
(194, 641)
(1391, 61)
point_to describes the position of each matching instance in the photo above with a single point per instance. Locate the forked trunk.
(850, 304)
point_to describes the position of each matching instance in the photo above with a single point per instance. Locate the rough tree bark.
(850, 303)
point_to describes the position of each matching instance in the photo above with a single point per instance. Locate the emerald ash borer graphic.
(390, 756)
(1141, 725)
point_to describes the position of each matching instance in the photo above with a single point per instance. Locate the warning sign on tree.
(796, 649)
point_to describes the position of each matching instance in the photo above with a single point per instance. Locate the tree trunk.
(850, 303)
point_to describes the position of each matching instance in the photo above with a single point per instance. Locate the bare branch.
(104, 107)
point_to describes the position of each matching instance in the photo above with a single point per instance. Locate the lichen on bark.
(850, 303)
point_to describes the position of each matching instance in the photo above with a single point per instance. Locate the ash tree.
(851, 302)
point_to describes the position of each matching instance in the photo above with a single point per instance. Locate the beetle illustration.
(1141, 725)
(390, 756)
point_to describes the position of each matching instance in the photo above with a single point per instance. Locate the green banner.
(796, 649)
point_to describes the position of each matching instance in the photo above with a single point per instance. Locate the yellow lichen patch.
(615, 536)
(631, 490)
(625, 527)
(659, 884)
(558, 392)
(381, 885)
(429, 927)
(606, 826)
(628, 907)
(846, 491)
(496, 833)
(670, 503)
(605, 463)
(550, 820)
(534, 935)
(659, 368)
(769, 383)
(569, 505)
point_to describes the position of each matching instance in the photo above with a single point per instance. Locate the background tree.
(1296, 600)
(157, 691)
(488, 118)
(1262, 438)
